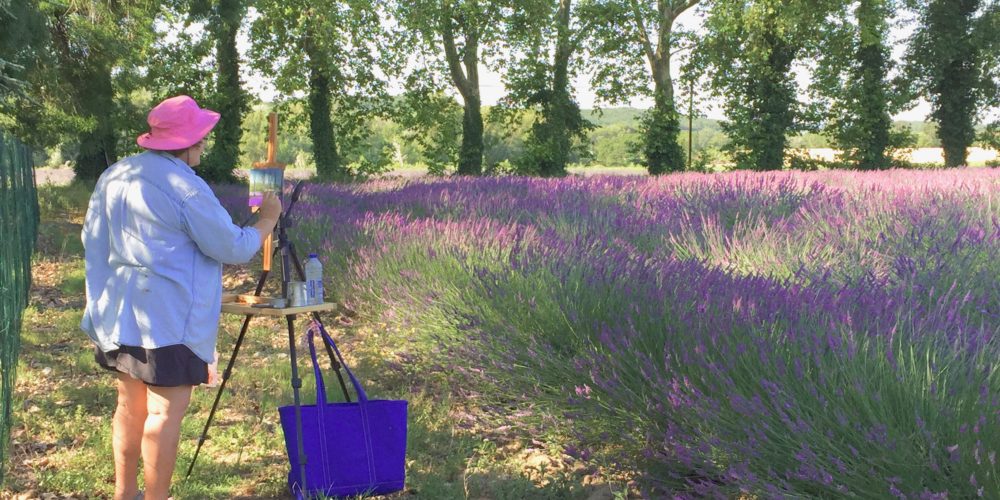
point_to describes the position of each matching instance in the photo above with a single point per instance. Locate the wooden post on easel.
(272, 155)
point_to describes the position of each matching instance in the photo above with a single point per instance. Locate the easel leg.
(296, 385)
(218, 394)
(225, 376)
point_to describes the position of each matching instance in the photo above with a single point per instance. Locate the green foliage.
(548, 34)
(661, 151)
(612, 145)
(185, 62)
(22, 35)
(293, 136)
(507, 133)
(990, 136)
(802, 162)
(432, 121)
(868, 140)
(8, 83)
(614, 50)
(748, 54)
(763, 114)
(425, 129)
(549, 144)
(82, 68)
(339, 53)
(450, 39)
(851, 82)
(628, 37)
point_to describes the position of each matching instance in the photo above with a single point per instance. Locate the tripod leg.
(225, 375)
(299, 270)
(296, 385)
(329, 351)
(218, 395)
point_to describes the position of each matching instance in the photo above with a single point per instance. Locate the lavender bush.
(783, 335)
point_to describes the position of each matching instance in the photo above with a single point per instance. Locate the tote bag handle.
(320, 385)
(321, 403)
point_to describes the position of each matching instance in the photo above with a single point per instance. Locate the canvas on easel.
(263, 181)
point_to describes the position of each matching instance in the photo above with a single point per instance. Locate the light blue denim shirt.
(155, 238)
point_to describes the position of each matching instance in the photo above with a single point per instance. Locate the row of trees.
(86, 72)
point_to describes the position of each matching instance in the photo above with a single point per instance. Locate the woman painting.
(155, 239)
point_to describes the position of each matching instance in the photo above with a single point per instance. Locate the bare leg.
(126, 434)
(166, 407)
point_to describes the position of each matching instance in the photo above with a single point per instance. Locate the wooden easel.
(232, 305)
(271, 162)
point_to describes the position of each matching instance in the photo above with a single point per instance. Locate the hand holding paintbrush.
(270, 211)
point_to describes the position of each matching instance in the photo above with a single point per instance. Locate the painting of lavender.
(264, 180)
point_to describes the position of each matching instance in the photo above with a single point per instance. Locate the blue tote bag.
(350, 448)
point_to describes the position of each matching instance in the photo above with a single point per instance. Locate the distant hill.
(613, 116)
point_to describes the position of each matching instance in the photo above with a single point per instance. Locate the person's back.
(155, 238)
(157, 232)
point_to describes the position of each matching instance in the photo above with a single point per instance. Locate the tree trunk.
(564, 50)
(95, 99)
(955, 103)
(661, 149)
(561, 115)
(662, 81)
(661, 126)
(321, 127)
(464, 71)
(229, 99)
(775, 93)
(470, 156)
(874, 120)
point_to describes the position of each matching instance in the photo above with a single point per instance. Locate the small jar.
(297, 294)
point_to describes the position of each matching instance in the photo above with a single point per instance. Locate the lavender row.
(782, 334)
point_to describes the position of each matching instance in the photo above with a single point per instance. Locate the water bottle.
(314, 280)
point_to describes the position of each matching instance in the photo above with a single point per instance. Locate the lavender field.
(819, 334)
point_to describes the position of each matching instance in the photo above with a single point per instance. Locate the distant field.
(977, 156)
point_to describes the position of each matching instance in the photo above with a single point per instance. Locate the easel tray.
(252, 305)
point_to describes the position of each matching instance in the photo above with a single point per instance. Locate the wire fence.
(18, 229)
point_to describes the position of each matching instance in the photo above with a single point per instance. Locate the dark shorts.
(169, 366)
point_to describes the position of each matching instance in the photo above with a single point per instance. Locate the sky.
(492, 88)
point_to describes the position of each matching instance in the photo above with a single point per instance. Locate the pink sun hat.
(177, 123)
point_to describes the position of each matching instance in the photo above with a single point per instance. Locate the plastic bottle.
(314, 280)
